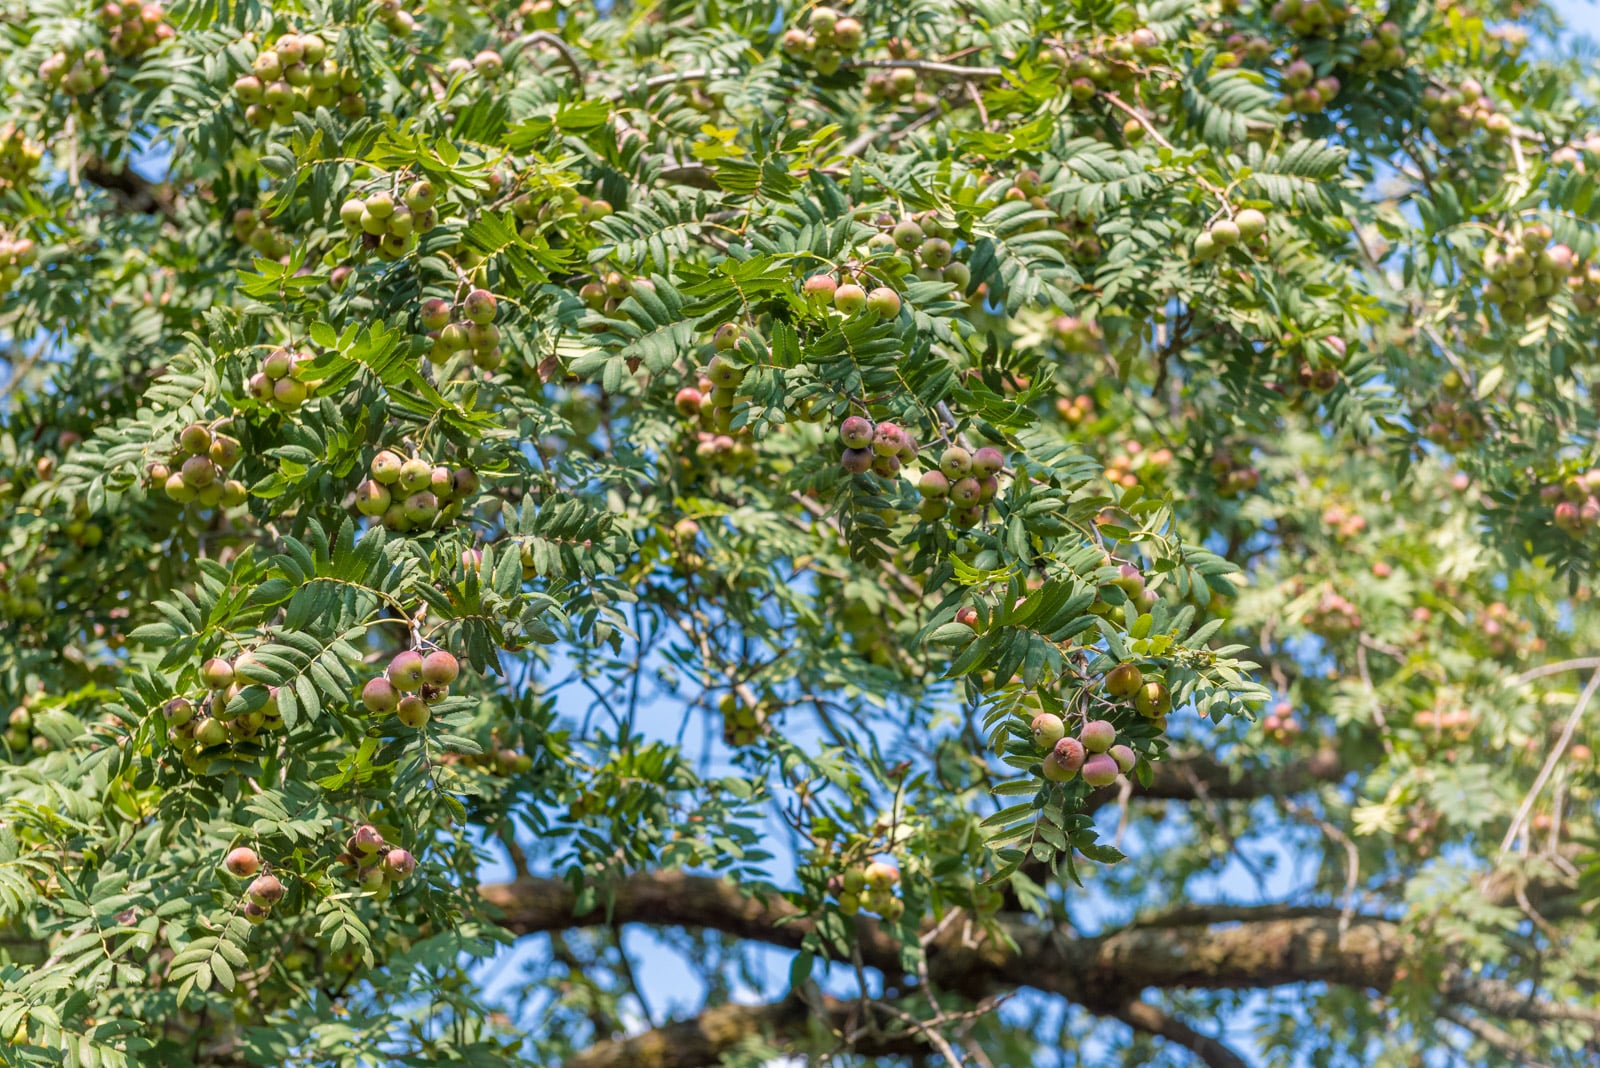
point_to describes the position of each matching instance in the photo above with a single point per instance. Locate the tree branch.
(1142, 1016)
(131, 191)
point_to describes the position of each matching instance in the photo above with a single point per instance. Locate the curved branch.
(1142, 1016)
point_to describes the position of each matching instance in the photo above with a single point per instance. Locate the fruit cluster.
(1135, 465)
(1075, 410)
(827, 40)
(742, 723)
(19, 594)
(15, 254)
(1449, 418)
(848, 297)
(395, 17)
(197, 471)
(1106, 64)
(1244, 228)
(869, 888)
(389, 228)
(926, 242)
(76, 71)
(134, 26)
(265, 889)
(1508, 635)
(963, 485)
(1280, 724)
(896, 83)
(296, 74)
(278, 381)
(1077, 335)
(413, 494)
(20, 737)
(1453, 114)
(1342, 523)
(1333, 616)
(1084, 246)
(18, 156)
(192, 726)
(1454, 721)
(1234, 477)
(487, 64)
(496, 759)
(1310, 18)
(468, 326)
(1526, 270)
(1303, 91)
(411, 685)
(1381, 49)
(1093, 754)
(250, 229)
(373, 863)
(1576, 502)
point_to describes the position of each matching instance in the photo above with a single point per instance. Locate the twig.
(929, 66)
(1550, 762)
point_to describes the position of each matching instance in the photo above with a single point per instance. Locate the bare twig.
(1550, 762)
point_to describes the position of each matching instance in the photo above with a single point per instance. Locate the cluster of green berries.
(394, 16)
(296, 74)
(1106, 64)
(869, 888)
(487, 64)
(20, 736)
(75, 71)
(1450, 418)
(411, 685)
(373, 863)
(388, 228)
(1029, 186)
(250, 229)
(197, 471)
(927, 242)
(16, 253)
(19, 594)
(742, 723)
(1381, 49)
(413, 494)
(135, 27)
(962, 486)
(265, 889)
(18, 155)
(464, 327)
(827, 40)
(278, 381)
(496, 759)
(1525, 271)
(1242, 229)
(206, 724)
(1303, 91)
(1576, 501)
(896, 83)
(1310, 18)
(849, 298)
(607, 292)
(1453, 114)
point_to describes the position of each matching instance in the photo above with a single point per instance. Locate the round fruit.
(405, 670)
(1251, 223)
(480, 306)
(884, 302)
(881, 876)
(1048, 730)
(217, 673)
(1124, 680)
(1100, 770)
(399, 863)
(413, 712)
(987, 462)
(933, 485)
(366, 840)
(265, 890)
(856, 432)
(440, 668)
(856, 461)
(850, 299)
(242, 862)
(415, 474)
(386, 467)
(819, 289)
(1224, 233)
(1098, 735)
(195, 439)
(907, 235)
(1152, 700)
(380, 696)
(372, 498)
(1063, 761)
(1125, 758)
(955, 462)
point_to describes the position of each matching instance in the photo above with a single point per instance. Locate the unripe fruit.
(1251, 223)
(414, 475)
(1125, 758)
(287, 393)
(1124, 680)
(386, 467)
(955, 462)
(178, 711)
(850, 299)
(379, 205)
(965, 492)
(442, 483)
(405, 670)
(421, 508)
(1153, 700)
(884, 302)
(413, 712)
(881, 876)
(480, 306)
(888, 439)
(199, 471)
(488, 64)
(856, 432)
(440, 668)
(435, 314)
(1100, 770)
(242, 862)
(688, 401)
(350, 213)
(1098, 735)
(224, 450)
(936, 252)
(210, 732)
(986, 462)
(933, 485)
(856, 461)
(1048, 730)
(265, 891)
(380, 696)
(726, 337)
(195, 439)
(464, 482)
(255, 914)
(724, 373)
(907, 235)
(277, 364)
(217, 673)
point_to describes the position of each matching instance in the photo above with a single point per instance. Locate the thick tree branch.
(131, 191)
(1196, 777)
(1142, 1016)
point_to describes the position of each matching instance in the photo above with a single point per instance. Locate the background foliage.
(1271, 325)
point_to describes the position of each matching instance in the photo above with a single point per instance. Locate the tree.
(925, 489)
